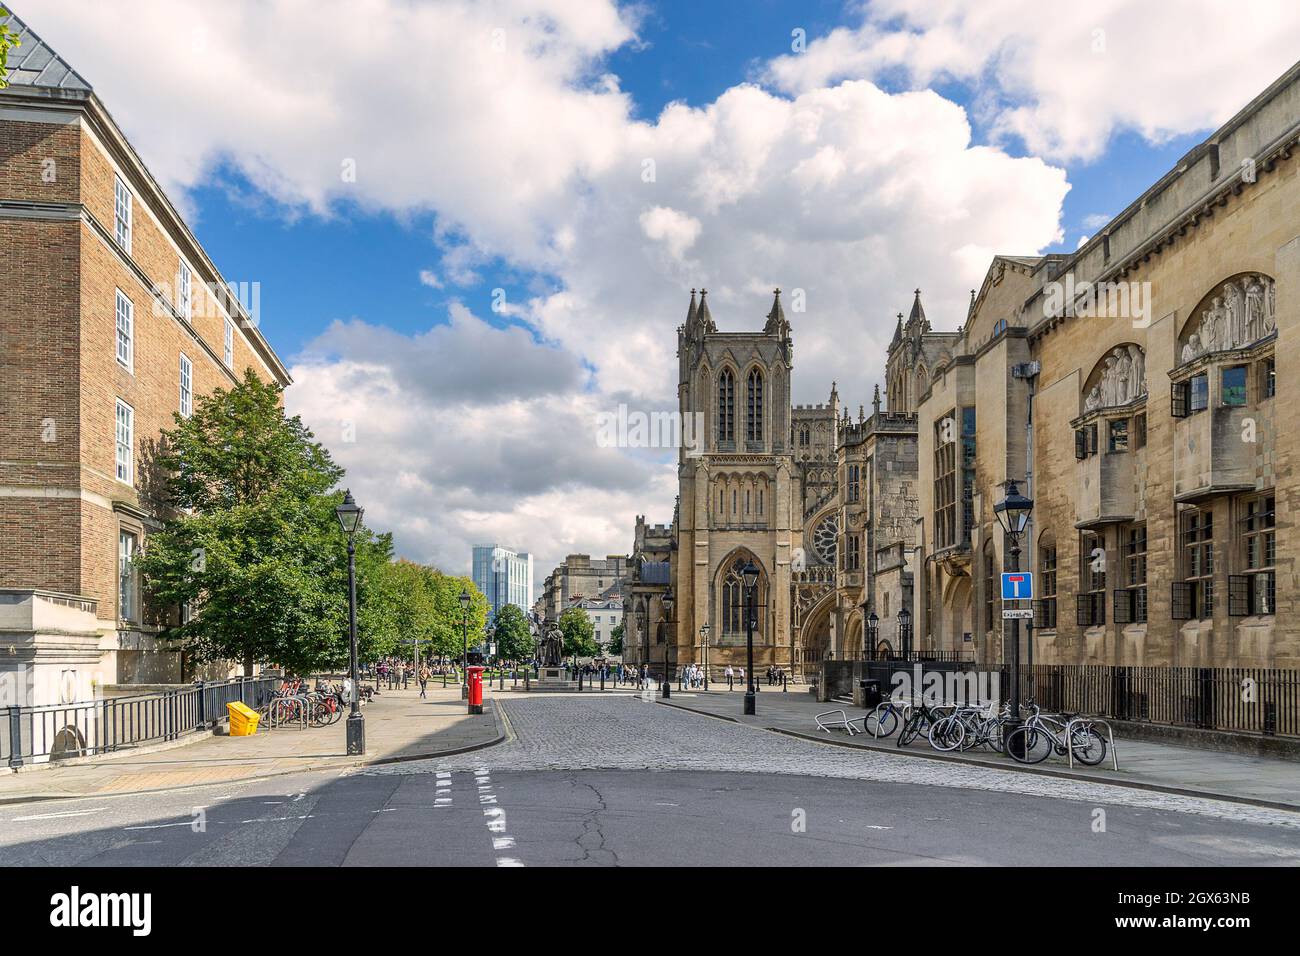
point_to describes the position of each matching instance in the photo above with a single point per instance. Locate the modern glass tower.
(504, 575)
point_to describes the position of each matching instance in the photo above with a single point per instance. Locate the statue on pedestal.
(553, 648)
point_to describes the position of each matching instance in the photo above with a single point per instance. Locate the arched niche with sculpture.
(1236, 314)
(1118, 379)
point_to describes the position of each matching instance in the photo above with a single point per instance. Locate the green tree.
(579, 633)
(446, 622)
(510, 630)
(615, 646)
(8, 40)
(253, 547)
(413, 606)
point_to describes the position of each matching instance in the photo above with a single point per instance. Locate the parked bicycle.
(1044, 734)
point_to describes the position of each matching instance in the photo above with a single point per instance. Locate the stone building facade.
(112, 319)
(580, 578)
(1130, 388)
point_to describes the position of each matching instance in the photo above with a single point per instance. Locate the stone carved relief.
(1244, 312)
(1123, 379)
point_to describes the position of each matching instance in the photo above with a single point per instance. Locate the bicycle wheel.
(1028, 744)
(974, 734)
(993, 736)
(911, 730)
(1088, 745)
(881, 722)
(947, 734)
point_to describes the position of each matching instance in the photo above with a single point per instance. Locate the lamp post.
(704, 636)
(873, 633)
(465, 600)
(1013, 513)
(905, 632)
(667, 601)
(349, 515)
(749, 576)
(643, 631)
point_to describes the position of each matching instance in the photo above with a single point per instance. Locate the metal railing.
(60, 731)
(1252, 700)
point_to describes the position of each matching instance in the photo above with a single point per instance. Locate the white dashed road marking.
(52, 816)
(494, 817)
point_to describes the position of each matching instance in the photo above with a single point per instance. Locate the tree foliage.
(510, 630)
(8, 40)
(254, 549)
(579, 633)
(615, 646)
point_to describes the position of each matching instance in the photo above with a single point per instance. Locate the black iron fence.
(1251, 700)
(60, 731)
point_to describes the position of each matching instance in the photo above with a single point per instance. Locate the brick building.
(112, 319)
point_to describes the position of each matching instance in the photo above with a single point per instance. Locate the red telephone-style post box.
(475, 689)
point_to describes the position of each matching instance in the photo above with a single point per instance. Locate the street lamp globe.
(349, 514)
(1013, 511)
(465, 599)
(749, 575)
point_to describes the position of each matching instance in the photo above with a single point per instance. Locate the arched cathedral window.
(733, 601)
(726, 406)
(754, 422)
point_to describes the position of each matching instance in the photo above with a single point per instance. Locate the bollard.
(579, 681)
(783, 690)
(602, 680)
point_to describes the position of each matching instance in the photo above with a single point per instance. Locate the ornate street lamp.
(749, 576)
(873, 634)
(704, 638)
(1013, 513)
(643, 630)
(465, 601)
(667, 601)
(905, 631)
(349, 515)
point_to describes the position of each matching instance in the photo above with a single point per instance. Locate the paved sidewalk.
(1224, 776)
(399, 726)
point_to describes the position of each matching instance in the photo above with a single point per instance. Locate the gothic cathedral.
(757, 484)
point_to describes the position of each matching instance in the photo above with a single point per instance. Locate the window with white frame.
(126, 577)
(187, 386)
(125, 331)
(229, 356)
(125, 440)
(184, 293)
(122, 214)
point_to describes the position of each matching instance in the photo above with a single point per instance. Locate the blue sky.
(593, 161)
(315, 269)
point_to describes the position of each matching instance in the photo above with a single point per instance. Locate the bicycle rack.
(842, 722)
(1110, 734)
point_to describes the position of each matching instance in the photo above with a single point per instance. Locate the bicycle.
(921, 718)
(1043, 734)
(886, 716)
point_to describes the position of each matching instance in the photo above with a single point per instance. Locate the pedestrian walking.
(425, 674)
(731, 678)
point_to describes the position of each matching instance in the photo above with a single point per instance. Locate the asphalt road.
(614, 781)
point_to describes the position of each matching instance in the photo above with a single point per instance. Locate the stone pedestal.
(552, 678)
